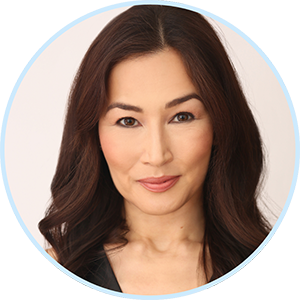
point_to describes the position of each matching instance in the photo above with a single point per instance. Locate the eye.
(183, 117)
(128, 122)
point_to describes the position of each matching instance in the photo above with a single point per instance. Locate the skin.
(158, 137)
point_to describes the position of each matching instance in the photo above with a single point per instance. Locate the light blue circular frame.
(2, 149)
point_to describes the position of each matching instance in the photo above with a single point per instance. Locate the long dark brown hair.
(87, 210)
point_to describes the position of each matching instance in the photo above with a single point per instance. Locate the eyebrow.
(181, 100)
(170, 104)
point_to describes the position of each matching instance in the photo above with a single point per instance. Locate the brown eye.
(183, 117)
(128, 122)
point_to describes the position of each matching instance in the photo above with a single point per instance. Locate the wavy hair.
(87, 210)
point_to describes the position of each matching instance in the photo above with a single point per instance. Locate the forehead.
(161, 75)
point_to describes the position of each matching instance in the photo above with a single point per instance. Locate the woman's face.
(156, 135)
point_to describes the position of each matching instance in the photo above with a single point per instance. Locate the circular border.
(96, 12)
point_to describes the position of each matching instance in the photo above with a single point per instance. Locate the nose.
(157, 150)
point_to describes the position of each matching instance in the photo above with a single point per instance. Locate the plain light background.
(278, 31)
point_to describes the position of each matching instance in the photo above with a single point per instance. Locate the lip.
(159, 184)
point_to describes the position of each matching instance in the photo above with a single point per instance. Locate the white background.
(20, 26)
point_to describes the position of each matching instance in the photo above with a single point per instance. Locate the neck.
(165, 232)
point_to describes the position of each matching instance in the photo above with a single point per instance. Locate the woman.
(156, 186)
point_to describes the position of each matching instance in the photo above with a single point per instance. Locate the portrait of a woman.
(161, 160)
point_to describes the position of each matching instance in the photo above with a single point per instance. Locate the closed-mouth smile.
(159, 184)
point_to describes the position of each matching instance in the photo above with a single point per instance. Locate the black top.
(103, 275)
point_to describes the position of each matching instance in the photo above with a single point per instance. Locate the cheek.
(194, 145)
(117, 152)
(197, 162)
(202, 147)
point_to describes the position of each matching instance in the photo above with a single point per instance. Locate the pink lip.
(159, 184)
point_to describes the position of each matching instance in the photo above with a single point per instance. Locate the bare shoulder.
(52, 253)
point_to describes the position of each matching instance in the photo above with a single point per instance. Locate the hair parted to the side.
(87, 210)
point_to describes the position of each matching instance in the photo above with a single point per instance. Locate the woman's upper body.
(161, 158)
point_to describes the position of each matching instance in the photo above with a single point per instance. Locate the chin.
(157, 206)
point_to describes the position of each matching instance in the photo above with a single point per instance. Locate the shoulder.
(52, 253)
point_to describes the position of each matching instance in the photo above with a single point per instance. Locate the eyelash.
(189, 115)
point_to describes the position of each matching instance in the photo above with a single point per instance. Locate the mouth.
(159, 184)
